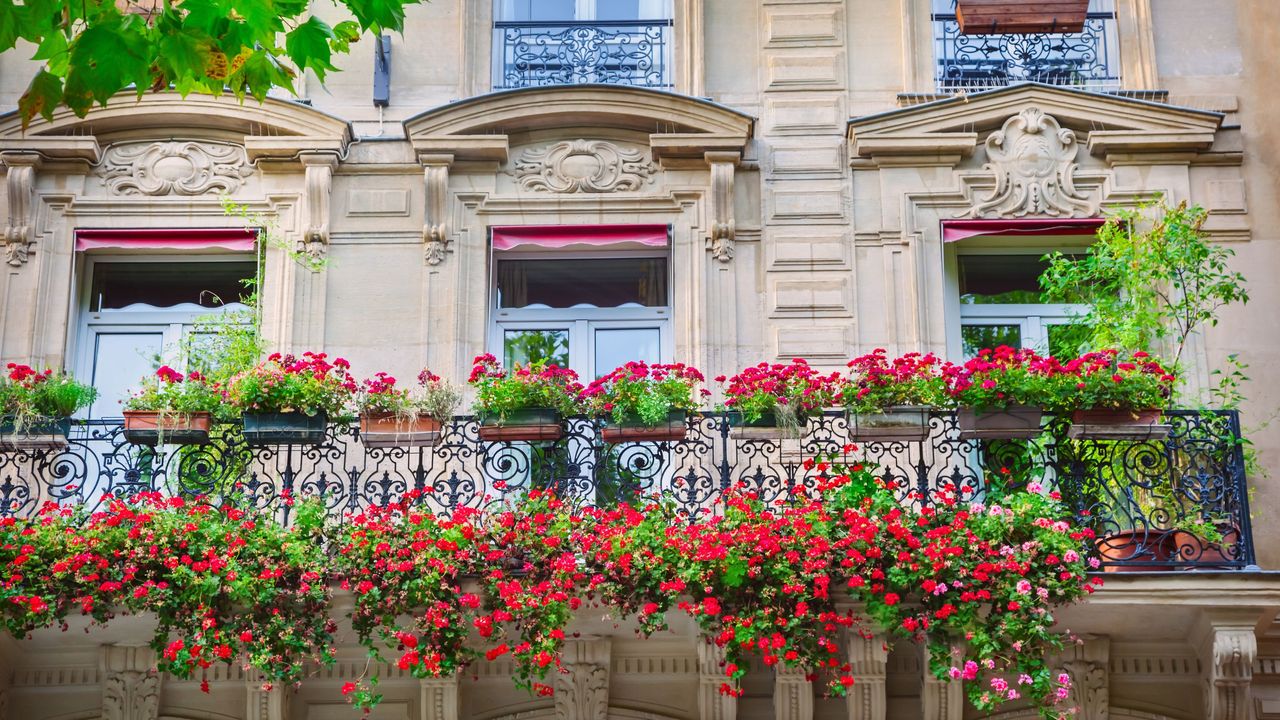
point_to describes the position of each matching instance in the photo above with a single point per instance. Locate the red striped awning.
(237, 239)
(509, 237)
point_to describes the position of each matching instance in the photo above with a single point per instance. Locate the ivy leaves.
(93, 49)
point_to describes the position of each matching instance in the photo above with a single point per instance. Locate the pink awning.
(507, 237)
(239, 240)
(953, 230)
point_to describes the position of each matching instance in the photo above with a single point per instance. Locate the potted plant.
(994, 17)
(778, 397)
(645, 402)
(398, 417)
(171, 408)
(1000, 393)
(1111, 398)
(526, 403)
(36, 407)
(289, 400)
(890, 401)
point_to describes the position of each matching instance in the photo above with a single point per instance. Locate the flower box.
(1117, 425)
(385, 430)
(525, 425)
(995, 17)
(767, 427)
(147, 427)
(1137, 546)
(42, 434)
(1016, 422)
(900, 423)
(674, 428)
(287, 428)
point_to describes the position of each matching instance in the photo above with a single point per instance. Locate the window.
(591, 311)
(136, 311)
(1000, 304)
(1088, 59)
(562, 42)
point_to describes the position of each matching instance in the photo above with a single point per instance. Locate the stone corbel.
(792, 694)
(713, 704)
(130, 683)
(1228, 647)
(582, 688)
(941, 699)
(1088, 666)
(435, 229)
(20, 177)
(265, 703)
(440, 698)
(721, 238)
(318, 185)
(868, 665)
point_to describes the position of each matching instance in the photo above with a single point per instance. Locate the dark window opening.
(567, 283)
(117, 285)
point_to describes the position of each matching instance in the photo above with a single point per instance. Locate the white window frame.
(580, 322)
(585, 11)
(1033, 319)
(172, 324)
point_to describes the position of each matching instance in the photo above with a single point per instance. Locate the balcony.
(1157, 497)
(626, 52)
(1089, 59)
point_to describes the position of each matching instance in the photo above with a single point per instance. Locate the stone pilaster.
(940, 699)
(265, 704)
(130, 683)
(439, 698)
(712, 704)
(1088, 666)
(792, 694)
(868, 659)
(582, 689)
(1228, 645)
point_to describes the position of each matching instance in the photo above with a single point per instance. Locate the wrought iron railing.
(1089, 59)
(533, 54)
(1177, 502)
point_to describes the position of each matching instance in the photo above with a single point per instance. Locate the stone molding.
(792, 694)
(582, 686)
(17, 235)
(317, 188)
(266, 702)
(1032, 159)
(439, 698)
(1228, 647)
(435, 229)
(584, 166)
(868, 664)
(723, 232)
(1088, 666)
(174, 168)
(940, 699)
(712, 704)
(130, 684)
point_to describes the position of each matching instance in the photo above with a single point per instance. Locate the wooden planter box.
(766, 427)
(45, 434)
(996, 17)
(291, 428)
(673, 429)
(1140, 546)
(527, 425)
(1016, 422)
(900, 423)
(146, 427)
(384, 430)
(1117, 425)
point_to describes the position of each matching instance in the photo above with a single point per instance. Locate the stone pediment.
(678, 125)
(953, 127)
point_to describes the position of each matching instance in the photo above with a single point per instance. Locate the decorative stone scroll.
(1033, 161)
(1228, 651)
(582, 689)
(317, 188)
(130, 683)
(723, 233)
(20, 178)
(584, 166)
(174, 168)
(1088, 666)
(435, 231)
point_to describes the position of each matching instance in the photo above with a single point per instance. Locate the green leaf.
(308, 46)
(735, 572)
(42, 97)
(10, 24)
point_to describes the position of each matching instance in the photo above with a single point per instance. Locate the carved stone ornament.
(174, 168)
(130, 684)
(435, 232)
(792, 694)
(1089, 691)
(584, 166)
(1033, 161)
(582, 688)
(868, 659)
(722, 238)
(1230, 673)
(317, 187)
(713, 704)
(20, 177)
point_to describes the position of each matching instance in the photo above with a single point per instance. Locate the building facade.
(717, 182)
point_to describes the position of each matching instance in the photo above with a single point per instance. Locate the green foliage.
(639, 393)
(1148, 280)
(501, 392)
(285, 383)
(168, 391)
(28, 396)
(93, 49)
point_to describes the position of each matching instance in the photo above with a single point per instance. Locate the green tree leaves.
(93, 49)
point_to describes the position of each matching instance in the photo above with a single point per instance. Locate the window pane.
(612, 282)
(526, 10)
(120, 360)
(522, 347)
(978, 337)
(616, 347)
(1066, 341)
(1000, 279)
(209, 284)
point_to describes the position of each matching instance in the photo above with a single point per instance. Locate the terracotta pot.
(994, 17)
(147, 427)
(384, 430)
(43, 434)
(1103, 424)
(670, 430)
(900, 423)
(291, 428)
(1016, 422)
(526, 425)
(1138, 546)
(1206, 555)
